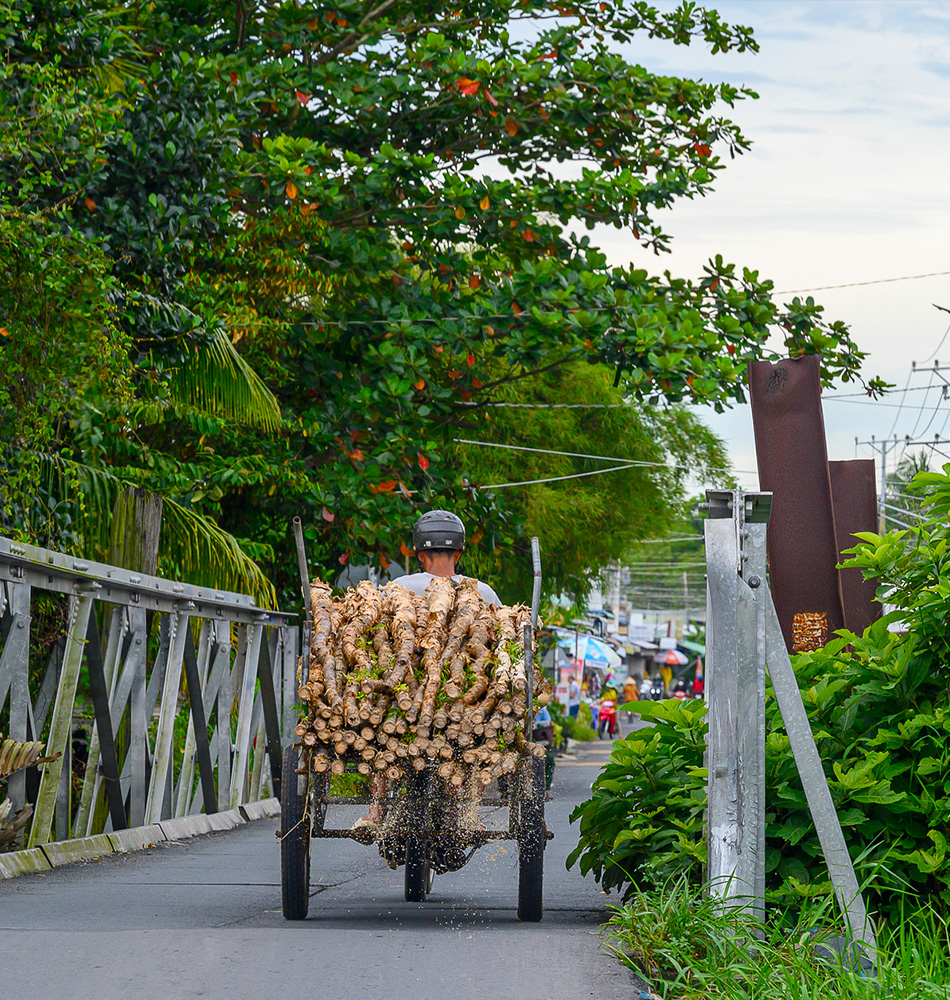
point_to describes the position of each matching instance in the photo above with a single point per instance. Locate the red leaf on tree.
(90, 204)
(405, 550)
(467, 87)
(715, 284)
(423, 463)
(356, 455)
(344, 559)
(384, 561)
(328, 515)
(490, 98)
(302, 97)
(549, 55)
(387, 487)
(420, 385)
(477, 537)
(530, 235)
(477, 383)
(455, 374)
(516, 309)
(470, 360)
(474, 282)
(511, 126)
(438, 348)
(234, 77)
(702, 149)
(731, 348)
(397, 281)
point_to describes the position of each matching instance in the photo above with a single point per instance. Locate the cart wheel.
(418, 873)
(295, 838)
(531, 835)
(418, 870)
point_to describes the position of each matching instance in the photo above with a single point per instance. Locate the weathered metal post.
(744, 635)
(735, 693)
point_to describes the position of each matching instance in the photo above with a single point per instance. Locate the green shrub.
(644, 820)
(880, 712)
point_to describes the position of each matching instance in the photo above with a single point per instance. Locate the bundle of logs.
(400, 681)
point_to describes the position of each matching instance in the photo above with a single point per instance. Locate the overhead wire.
(628, 462)
(862, 284)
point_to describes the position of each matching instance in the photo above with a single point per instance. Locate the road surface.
(202, 918)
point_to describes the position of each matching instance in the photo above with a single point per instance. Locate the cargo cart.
(424, 832)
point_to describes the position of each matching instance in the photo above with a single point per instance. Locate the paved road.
(202, 919)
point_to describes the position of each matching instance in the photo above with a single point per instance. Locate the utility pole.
(882, 448)
(685, 602)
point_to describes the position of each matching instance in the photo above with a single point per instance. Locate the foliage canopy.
(332, 230)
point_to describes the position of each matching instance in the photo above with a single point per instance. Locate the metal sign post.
(735, 691)
(743, 636)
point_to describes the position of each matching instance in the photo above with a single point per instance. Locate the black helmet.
(438, 530)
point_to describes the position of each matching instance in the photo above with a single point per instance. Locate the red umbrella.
(671, 658)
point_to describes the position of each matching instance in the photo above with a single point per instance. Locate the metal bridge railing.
(191, 691)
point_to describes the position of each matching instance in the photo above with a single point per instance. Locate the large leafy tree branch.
(380, 207)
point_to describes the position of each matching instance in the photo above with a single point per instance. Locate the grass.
(689, 949)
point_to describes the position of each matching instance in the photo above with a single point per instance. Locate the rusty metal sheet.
(854, 495)
(793, 465)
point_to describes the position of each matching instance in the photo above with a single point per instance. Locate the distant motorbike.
(657, 689)
(607, 719)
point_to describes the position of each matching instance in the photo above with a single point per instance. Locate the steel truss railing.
(139, 638)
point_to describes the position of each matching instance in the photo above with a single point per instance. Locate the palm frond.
(192, 547)
(201, 552)
(215, 378)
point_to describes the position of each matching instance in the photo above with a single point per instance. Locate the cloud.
(940, 68)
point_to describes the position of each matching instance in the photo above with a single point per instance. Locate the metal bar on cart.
(305, 592)
(529, 637)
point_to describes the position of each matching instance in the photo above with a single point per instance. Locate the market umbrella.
(592, 652)
(670, 658)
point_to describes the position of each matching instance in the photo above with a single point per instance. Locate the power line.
(861, 284)
(662, 541)
(628, 462)
(555, 479)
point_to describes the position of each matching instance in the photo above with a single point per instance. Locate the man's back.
(417, 583)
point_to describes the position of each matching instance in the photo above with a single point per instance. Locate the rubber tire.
(418, 875)
(294, 842)
(531, 840)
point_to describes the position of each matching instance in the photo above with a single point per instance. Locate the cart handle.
(529, 637)
(305, 592)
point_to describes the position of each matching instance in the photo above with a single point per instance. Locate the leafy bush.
(879, 708)
(644, 820)
(581, 726)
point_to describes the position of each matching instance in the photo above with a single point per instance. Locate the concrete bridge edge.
(47, 856)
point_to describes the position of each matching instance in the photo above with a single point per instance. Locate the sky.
(846, 182)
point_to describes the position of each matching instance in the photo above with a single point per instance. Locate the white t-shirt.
(417, 583)
(573, 694)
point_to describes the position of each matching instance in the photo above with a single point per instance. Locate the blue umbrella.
(590, 651)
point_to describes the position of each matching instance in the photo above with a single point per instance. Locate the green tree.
(585, 516)
(359, 215)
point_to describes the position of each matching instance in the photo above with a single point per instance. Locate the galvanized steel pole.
(735, 692)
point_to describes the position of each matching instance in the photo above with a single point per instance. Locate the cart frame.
(427, 844)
